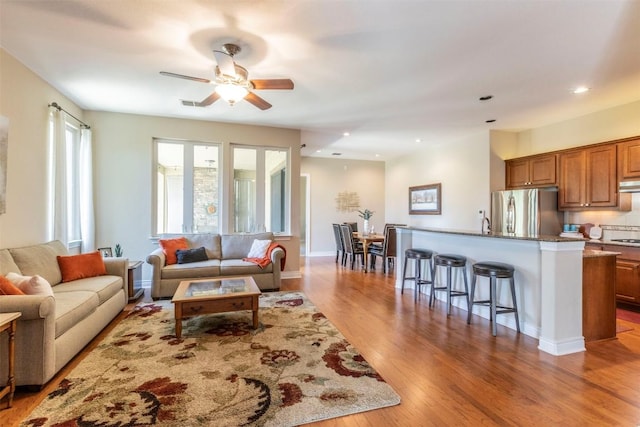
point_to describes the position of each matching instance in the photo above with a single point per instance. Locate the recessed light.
(418, 140)
(581, 89)
(486, 97)
(490, 121)
(318, 151)
(346, 134)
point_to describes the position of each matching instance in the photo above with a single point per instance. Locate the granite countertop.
(591, 253)
(539, 238)
(610, 242)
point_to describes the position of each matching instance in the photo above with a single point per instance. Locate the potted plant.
(365, 215)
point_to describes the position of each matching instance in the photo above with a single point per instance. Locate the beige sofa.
(52, 330)
(224, 252)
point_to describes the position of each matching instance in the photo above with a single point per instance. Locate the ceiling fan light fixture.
(231, 93)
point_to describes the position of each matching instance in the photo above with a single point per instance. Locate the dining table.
(366, 240)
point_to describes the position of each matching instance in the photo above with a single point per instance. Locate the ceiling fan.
(232, 81)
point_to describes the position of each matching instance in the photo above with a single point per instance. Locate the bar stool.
(450, 261)
(417, 255)
(494, 271)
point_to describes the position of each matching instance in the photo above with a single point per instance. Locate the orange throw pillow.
(8, 288)
(74, 267)
(170, 246)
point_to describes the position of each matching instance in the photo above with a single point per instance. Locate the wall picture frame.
(425, 199)
(105, 252)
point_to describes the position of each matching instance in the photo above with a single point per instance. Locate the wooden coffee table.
(219, 295)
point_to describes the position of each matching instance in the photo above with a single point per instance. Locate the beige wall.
(123, 173)
(23, 100)
(327, 178)
(606, 125)
(122, 161)
(463, 170)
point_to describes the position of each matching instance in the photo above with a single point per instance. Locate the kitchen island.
(548, 279)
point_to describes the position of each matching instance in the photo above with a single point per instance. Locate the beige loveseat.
(53, 329)
(224, 252)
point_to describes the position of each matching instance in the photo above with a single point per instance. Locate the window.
(260, 189)
(189, 183)
(67, 190)
(187, 187)
(72, 137)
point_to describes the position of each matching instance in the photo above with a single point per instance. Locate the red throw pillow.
(74, 267)
(8, 288)
(170, 246)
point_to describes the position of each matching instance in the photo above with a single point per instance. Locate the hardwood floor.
(450, 373)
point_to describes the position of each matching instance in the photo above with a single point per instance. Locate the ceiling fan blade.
(182, 76)
(225, 63)
(272, 84)
(205, 102)
(257, 101)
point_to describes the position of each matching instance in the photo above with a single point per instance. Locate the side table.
(8, 322)
(135, 280)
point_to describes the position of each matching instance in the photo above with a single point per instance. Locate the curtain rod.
(56, 106)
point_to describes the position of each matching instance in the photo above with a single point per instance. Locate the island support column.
(561, 298)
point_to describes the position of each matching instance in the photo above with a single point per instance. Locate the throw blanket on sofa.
(263, 262)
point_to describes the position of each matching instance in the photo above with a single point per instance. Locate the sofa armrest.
(276, 255)
(156, 259)
(31, 306)
(119, 267)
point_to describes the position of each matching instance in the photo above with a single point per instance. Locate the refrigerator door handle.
(511, 215)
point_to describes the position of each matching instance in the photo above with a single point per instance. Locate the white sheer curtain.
(87, 221)
(61, 189)
(58, 174)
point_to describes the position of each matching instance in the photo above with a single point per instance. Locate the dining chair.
(387, 251)
(340, 252)
(350, 246)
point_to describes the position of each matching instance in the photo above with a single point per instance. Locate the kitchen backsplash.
(615, 224)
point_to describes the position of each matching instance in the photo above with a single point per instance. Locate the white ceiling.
(387, 71)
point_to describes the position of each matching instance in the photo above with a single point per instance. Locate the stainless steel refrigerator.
(528, 212)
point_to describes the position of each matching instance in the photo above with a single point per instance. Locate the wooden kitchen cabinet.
(588, 178)
(627, 273)
(531, 172)
(629, 159)
(598, 295)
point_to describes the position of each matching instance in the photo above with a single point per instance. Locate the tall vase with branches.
(366, 216)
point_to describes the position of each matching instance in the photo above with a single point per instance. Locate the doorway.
(305, 185)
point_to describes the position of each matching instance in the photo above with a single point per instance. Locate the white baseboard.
(290, 275)
(319, 254)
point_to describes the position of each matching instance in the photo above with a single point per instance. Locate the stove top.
(626, 240)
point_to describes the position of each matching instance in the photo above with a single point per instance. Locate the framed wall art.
(425, 199)
(105, 252)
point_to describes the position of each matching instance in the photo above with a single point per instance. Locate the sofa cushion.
(239, 245)
(170, 246)
(258, 248)
(210, 242)
(40, 259)
(7, 265)
(7, 287)
(187, 256)
(105, 286)
(238, 267)
(31, 285)
(74, 267)
(72, 308)
(209, 268)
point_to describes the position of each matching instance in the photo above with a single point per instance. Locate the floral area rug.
(294, 369)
